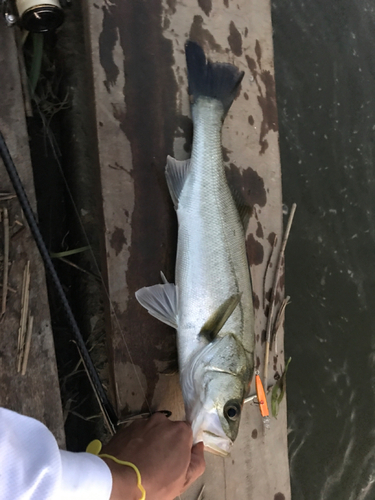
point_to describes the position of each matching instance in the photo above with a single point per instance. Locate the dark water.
(325, 78)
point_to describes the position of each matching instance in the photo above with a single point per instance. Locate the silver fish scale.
(211, 256)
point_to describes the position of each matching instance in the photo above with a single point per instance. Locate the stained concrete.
(142, 114)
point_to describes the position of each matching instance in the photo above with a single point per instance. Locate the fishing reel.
(37, 16)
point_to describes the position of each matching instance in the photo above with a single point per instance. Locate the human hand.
(163, 452)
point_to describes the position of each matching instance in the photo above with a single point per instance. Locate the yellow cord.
(94, 448)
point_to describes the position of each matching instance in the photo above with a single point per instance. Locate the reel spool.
(37, 16)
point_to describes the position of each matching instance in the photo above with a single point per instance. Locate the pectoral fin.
(160, 301)
(218, 319)
(175, 173)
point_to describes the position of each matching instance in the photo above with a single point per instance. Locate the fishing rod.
(104, 403)
(41, 17)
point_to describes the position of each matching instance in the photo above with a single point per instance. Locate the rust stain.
(254, 250)
(275, 362)
(254, 434)
(203, 36)
(277, 298)
(225, 152)
(258, 53)
(248, 183)
(256, 302)
(235, 39)
(118, 240)
(259, 231)
(266, 97)
(150, 90)
(271, 238)
(279, 496)
(250, 186)
(264, 145)
(263, 337)
(107, 42)
(206, 6)
(185, 130)
(171, 6)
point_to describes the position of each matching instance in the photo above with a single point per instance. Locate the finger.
(197, 464)
(157, 418)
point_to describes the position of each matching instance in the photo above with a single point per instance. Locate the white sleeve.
(33, 468)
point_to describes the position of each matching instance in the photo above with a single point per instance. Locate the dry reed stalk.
(279, 321)
(6, 261)
(24, 314)
(7, 196)
(273, 295)
(267, 267)
(200, 496)
(22, 301)
(27, 344)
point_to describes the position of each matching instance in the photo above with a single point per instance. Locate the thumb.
(197, 464)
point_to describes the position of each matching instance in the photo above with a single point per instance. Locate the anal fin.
(244, 210)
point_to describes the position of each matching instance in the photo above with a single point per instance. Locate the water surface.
(325, 79)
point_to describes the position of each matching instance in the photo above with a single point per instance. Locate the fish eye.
(232, 411)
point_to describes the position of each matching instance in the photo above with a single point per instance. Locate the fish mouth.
(218, 445)
(207, 427)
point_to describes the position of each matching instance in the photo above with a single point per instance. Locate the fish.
(210, 304)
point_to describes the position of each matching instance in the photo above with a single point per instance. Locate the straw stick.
(24, 314)
(267, 267)
(22, 301)
(200, 496)
(7, 196)
(273, 295)
(279, 321)
(27, 344)
(6, 262)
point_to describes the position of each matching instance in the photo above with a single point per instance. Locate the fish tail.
(217, 80)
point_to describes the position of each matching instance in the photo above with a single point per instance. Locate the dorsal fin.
(217, 320)
(163, 278)
(175, 173)
(244, 210)
(160, 301)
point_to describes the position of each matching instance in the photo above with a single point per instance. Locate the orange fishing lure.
(262, 400)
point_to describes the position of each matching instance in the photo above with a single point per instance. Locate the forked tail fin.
(217, 80)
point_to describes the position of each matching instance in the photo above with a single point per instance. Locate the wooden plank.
(143, 114)
(37, 393)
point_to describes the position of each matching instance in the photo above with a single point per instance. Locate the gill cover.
(214, 386)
